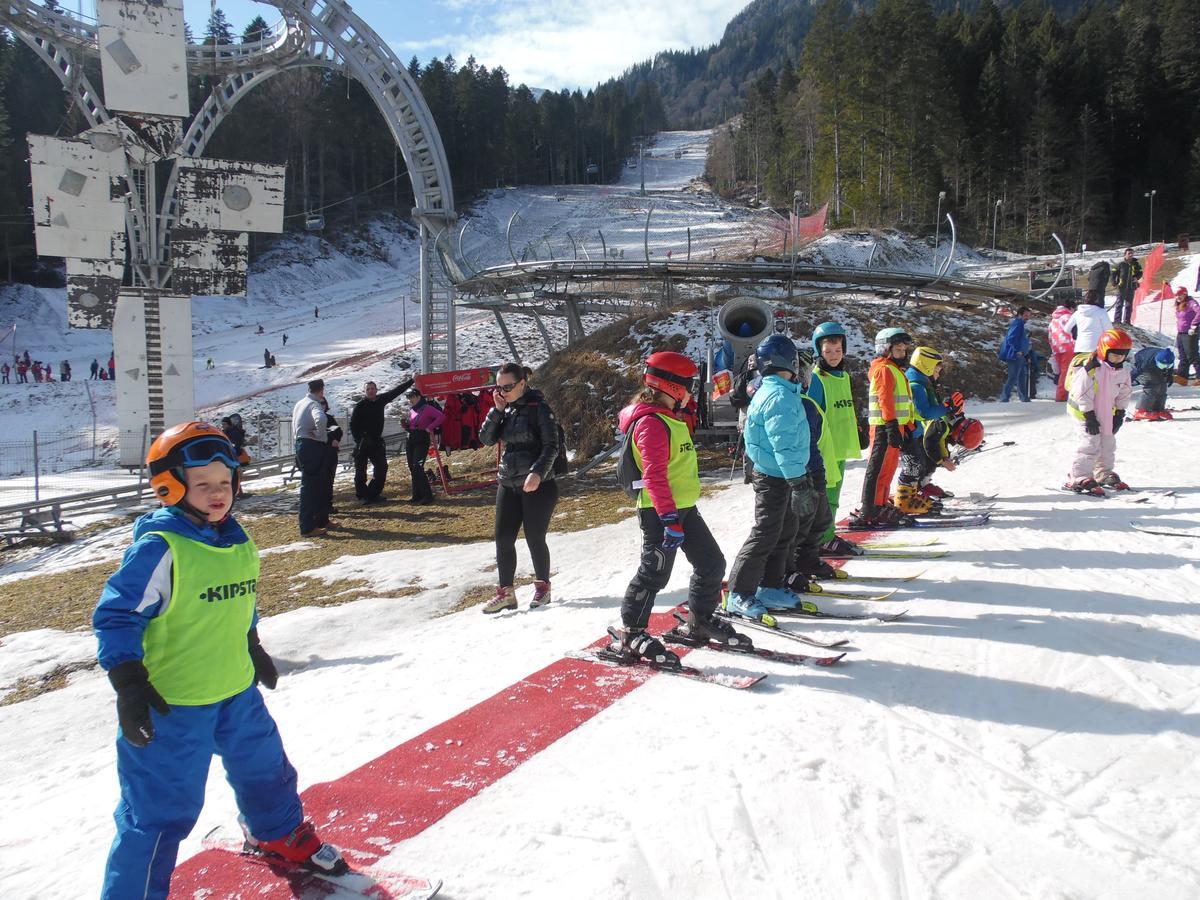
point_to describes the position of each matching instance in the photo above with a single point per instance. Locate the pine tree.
(218, 30)
(256, 31)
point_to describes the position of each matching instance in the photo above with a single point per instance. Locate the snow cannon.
(745, 323)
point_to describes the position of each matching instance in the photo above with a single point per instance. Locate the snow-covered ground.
(1030, 730)
(585, 221)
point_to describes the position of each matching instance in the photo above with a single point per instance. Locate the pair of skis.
(361, 881)
(1101, 492)
(607, 657)
(892, 550)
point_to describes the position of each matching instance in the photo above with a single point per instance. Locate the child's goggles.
(195, 453)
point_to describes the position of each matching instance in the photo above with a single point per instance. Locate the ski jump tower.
(145, 222)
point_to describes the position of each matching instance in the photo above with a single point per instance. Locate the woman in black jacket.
(524, 425)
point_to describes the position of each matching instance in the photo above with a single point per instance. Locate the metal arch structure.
(324, 33)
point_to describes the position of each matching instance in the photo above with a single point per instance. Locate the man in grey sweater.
(310, 427)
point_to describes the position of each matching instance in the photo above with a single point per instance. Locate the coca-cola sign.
(436, 384)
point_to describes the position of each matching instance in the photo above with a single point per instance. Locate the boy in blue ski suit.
(777, 442)
(177, 631)
(1152, 369)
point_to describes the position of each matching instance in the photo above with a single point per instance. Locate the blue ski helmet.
(776, 352)
(889, 336)
(1164, 359)
(828, 330)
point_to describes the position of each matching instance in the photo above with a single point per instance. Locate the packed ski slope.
(1030, 729)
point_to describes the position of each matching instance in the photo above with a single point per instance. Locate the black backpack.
(560, 461)
(629, 474)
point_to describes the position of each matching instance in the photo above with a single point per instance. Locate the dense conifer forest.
(1067, 115)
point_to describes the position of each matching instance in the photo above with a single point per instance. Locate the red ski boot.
(1113, 482)
(303, 847)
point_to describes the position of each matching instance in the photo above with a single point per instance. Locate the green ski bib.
(683, 472)
(841, 423)
(196, 651)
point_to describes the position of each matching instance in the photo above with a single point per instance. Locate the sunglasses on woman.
(505, 388)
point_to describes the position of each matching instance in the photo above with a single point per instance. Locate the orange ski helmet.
(1114, 339)
(672, 373)
(186, 446)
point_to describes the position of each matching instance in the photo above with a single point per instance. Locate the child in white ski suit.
(1098, 391)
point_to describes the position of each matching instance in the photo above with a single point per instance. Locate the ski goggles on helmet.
(196, 453)
(690, 382)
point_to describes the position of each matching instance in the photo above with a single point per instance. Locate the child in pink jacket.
(663, 453)
(1062, 345)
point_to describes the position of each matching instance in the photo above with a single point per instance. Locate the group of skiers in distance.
(23, 368)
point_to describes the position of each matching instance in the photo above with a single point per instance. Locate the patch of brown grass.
(65, 600)
(585, 388)
(28, 688)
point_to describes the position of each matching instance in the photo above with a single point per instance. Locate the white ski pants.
(1095, 455)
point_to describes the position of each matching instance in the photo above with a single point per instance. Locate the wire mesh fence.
(44, 465)
(47, 464)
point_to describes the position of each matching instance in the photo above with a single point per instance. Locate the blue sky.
(544, 43)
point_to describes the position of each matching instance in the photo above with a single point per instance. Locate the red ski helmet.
(1114, 339)
(672, 373)
(967, 433)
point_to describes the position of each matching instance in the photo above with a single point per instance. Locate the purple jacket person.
(1187, 323)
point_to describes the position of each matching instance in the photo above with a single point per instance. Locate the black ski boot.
(694, 632)
(821, 571)
(629, 645)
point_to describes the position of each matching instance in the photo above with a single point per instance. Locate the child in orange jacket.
(891, 419)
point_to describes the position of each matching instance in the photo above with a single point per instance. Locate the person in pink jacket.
(662, 452)
(1099, 390)
(1187, 324)
(424, 417)
(1062, 345)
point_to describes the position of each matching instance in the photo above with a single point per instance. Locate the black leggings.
(514, 508)
(654, 571)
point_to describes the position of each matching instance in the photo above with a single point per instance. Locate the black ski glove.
(895, 437)
(802, 483)
(1118, 420)
(1090, 423)
(264, 667)
(135, 696)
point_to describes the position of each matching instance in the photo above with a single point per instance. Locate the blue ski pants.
(162, 788)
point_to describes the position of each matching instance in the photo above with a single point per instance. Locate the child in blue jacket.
(177, 632)
(777, 442)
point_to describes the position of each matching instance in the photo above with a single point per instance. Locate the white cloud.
(578, 43)
(436, 44)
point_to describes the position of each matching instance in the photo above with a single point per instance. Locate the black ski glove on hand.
(1118, 420)
(265, 672)
(1090, 423)
(802, 483)
(895, 437)
(135, 696)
